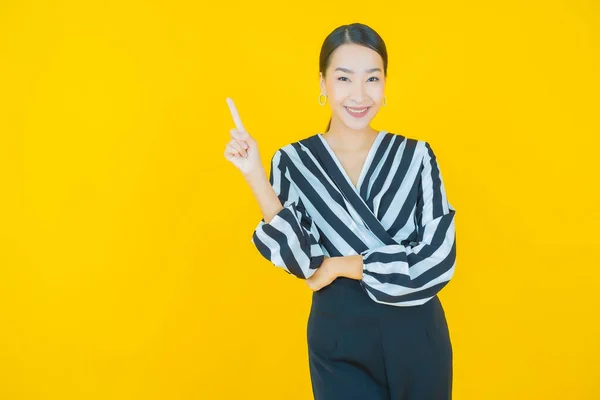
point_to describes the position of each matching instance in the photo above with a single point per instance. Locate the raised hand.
(242, 149)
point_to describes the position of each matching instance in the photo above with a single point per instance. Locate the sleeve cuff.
(278, 221)
(383, 260)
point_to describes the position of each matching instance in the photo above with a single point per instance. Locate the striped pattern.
(397, 217)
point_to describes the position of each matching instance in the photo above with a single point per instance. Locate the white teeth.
(356, 112)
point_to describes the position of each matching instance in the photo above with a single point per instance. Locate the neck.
(346, 139)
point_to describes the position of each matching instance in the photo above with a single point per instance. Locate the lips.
(357, 112)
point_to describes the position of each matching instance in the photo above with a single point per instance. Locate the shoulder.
(293, 152)
(422, 147)
(421, 150)
(395, 136)
(417, 147)
(429, 157)
(290, 153)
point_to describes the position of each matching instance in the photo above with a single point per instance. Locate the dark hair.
(355, 33)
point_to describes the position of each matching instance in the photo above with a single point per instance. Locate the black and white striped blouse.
(397, 217)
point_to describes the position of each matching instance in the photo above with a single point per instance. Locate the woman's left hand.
(324, 275)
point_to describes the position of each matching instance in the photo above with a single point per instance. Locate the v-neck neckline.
(366, 164)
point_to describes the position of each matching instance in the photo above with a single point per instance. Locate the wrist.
(255, 174)
(348, 266)
(334, 266)
(358, 266)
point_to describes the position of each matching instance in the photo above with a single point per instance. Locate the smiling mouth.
(357, 112)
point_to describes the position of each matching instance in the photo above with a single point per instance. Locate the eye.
(374, 77)
(342, 77)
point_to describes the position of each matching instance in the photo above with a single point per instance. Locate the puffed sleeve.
(291, 240)
(398, 274)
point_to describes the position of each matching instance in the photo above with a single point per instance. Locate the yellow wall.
(126, 267)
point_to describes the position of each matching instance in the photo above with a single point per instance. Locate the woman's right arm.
(268, 202)
(286, 235)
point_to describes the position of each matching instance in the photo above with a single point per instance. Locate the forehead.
(355, 57)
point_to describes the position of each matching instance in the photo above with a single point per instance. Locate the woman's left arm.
(395, 274)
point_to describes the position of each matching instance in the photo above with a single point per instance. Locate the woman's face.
(354, 81)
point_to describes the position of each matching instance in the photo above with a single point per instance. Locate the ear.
(322, 83)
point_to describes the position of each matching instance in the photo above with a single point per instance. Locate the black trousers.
(361, 349)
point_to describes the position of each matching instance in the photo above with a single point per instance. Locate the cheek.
(336, 97)
(338, 100)
(337, 94)
(376, 93)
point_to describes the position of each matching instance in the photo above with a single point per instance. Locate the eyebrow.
(351, 72)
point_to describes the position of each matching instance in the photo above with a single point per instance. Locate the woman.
(362, 216)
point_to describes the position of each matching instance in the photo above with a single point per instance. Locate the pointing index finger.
(235, 115)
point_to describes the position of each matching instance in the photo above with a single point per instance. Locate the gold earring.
(384, 100)
(322, 94)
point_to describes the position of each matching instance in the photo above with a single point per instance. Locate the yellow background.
(126, 267)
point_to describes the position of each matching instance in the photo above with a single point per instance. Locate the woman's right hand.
(242, 149)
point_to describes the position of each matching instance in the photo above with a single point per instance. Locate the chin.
(357, 122)
(357, 126)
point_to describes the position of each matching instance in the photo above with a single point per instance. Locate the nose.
(358, 92)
